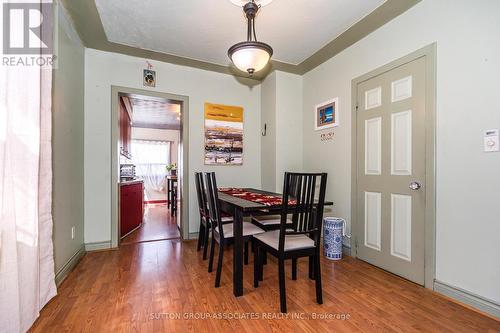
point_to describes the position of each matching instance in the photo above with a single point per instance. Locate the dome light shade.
(250, 56)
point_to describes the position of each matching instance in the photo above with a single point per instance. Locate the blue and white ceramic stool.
(333, 232)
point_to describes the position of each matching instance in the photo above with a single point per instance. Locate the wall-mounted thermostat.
(491, 141)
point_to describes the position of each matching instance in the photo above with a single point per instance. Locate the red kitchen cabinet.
(131, 206)
(125, 131)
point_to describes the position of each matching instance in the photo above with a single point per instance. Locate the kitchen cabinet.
(131, 206)
(125, 131)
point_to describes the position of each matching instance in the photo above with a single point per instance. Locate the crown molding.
(87, 22)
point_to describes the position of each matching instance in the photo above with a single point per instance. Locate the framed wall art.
(149, 78)
(326, 114)
(223, 135)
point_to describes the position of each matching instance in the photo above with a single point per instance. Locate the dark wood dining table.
(171, 180)
(241, 208)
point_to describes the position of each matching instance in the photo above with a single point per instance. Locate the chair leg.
(294, 268)
(256, 265)
(282, 284)
(261, 264)
(219, 267)
(246, 253)
(211, 260)
(264, 257)
(201, 234)
(205, 241)
(317, 273)
(311, 267)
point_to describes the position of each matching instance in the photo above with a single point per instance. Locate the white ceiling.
(150, 112)
(205, 29)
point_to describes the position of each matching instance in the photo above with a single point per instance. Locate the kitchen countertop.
(131, 182)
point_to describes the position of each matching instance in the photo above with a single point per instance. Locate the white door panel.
(390, 144)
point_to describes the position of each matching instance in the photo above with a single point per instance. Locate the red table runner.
(268, 200)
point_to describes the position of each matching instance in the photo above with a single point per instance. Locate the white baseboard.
(68, 267)
(98, 246)
(468, 298)
(193, 235)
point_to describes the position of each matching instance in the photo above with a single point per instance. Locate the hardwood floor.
(158, 225)
(156, 286)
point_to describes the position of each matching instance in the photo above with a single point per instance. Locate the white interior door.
(391, 170)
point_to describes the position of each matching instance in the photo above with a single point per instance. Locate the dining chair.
(205, 225)
(268, 222)
(272, 222)
(203, 210)
(302, 239)
(223, 233)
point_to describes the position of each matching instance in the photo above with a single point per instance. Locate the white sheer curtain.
(26, 253)
(151, 159)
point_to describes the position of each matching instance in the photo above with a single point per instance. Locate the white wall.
(104, 69)
(67, 143)
(268, 142)
(289, 138)
(468, 180)
(282, 112)
(160, 135)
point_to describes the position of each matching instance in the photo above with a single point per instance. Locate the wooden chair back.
(300, 199)
(213, 203)
(201, 194)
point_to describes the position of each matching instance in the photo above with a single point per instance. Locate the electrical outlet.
(73, 232)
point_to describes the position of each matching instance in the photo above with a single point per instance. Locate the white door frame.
(115, 158)
(429, 52)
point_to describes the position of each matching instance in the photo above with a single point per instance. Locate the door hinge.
(356, 107)
(356, 243)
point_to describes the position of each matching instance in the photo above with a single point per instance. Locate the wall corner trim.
(70, 265)
(97, 246)
(464, 296)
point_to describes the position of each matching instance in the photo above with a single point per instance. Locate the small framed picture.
(149, 78)
(326, 115)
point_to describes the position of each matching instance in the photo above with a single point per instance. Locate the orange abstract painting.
(223, 134)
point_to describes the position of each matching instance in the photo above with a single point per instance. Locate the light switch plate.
(491, 141)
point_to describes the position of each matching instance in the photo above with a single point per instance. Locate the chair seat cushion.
(248, 230)
(292, 242)
(226, 218)
(270, 220)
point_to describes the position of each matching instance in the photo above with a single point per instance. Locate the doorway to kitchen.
(149, 162)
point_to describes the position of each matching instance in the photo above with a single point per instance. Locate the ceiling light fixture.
(241, 3)
(250, 56)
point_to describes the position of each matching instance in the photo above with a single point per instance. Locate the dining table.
(240, 206)
(171, 181)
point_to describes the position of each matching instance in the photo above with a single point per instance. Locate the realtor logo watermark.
(28, 34)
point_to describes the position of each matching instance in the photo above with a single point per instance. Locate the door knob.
(414, 186)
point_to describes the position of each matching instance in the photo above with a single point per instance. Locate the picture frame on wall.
(326, 114)
(223, 135)
(149, 78)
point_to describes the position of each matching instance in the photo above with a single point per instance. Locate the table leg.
(171, 195)
(238, 254)
(168, 193)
